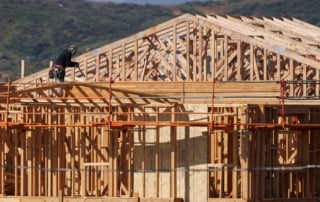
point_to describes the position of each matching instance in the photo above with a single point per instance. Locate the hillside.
(37, 30)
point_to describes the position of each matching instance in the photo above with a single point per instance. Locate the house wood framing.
(198, 108)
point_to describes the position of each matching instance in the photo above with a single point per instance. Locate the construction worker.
(62, 62)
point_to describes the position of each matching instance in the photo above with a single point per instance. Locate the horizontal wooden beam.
(154, 92)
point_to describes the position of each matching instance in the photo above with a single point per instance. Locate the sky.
(153, 2)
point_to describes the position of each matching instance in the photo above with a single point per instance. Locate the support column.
(173, 177)
(244, 155)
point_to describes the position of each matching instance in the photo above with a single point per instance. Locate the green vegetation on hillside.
(37, 30)
(304, 10)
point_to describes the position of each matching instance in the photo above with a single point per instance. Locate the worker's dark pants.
(59, 78)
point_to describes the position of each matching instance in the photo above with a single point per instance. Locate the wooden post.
(135, 74)
(60, 196)
(123, 67)
(235, 148)
(188, 50)
(174, 62)
(173, 176)
(225, 57)
(23, 186)
(244, 156)
(194, 54)
(2, 152)
(29, 165)
(16, 164)
(278, 66)
(251, 62)
(83, 155)
(48, 155)
(157, 156)
(22, 68)
(110, 160)
(265, 64)
(239, 61)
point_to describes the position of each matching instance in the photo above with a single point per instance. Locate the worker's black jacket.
(64, 59)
